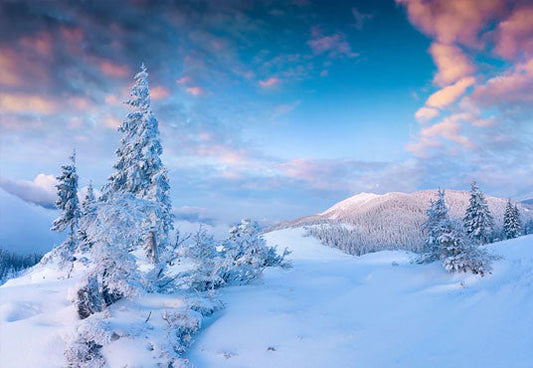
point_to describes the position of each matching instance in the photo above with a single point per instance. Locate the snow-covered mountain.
(393, 220)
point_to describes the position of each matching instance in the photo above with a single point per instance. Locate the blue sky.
(273, 109)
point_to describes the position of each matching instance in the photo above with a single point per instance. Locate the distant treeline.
(11, 263)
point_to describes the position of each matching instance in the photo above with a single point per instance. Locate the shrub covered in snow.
(236, 260)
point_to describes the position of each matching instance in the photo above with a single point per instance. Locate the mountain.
(392, 220)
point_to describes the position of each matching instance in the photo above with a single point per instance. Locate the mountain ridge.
(393, 220)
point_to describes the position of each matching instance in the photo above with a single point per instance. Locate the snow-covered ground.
(378, 310)
(329, 310)
(38, 319)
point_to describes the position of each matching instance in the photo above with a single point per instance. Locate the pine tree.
(87, 215)
(518, 221)
(512, 226)
(478, 221)
(67, 191)
(139, 169)
(459, 255)
(437, 223)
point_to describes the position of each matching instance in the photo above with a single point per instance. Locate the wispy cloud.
(269, 82)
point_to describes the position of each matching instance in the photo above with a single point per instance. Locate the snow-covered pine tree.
(518, 220)
(512, 226)
(437, 223)
(459, 255)
(139, 169)
(87, 215)
(67, 202)
(478, 221)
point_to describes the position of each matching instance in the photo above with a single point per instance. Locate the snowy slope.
(378, 310)
(38, 320)
(393, 220)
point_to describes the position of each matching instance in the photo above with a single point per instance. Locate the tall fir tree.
(139, 169)
(67, 202)
(438, 222)
(478, 221)
(87, 215)
(512, 226)
(518, 220)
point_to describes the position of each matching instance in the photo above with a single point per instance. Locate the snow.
(35, 316)
(377, 310)
(330, 310)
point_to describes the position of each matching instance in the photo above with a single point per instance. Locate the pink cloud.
(449, 128)
(111, 122)
(159, 92)
(40, 44)
(426, 113)
(450, 21)
(270, 82)
(9, 75)
(515, 34)
(450, 94)
(184, 80)
(24, 103)
(17, 69)
(334, 45)
(514, 86)
(112, 69)
(195, 91)
(451, 62)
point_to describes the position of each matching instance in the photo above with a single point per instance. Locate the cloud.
(452, 63)
(333, 46)
(426, 113)
(453, 21)
(360, 18)
(285, 109)
(24, 227)
(449, 128)
(194, 214)
(184, 80)
(112, 69)
(269, 82)
(512, 88)
(26, 103)
(159, 92)
(9, 74)
(195, 91)
(443, 98)
(514, 35)
(448, 95)
(40, 191)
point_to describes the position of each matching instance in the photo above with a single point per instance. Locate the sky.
(272, 109)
